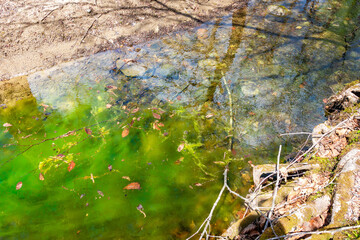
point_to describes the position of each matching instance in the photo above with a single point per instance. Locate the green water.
(279, 59)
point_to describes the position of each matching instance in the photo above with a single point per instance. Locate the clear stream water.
(158, 116)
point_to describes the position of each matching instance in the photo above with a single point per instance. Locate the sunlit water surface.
(157, 116)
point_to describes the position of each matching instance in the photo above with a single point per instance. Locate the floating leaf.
(126, 177)
(7, 125)
(180, 147)
(41, 177)
(125, 132)
(88, 131)
(157, 116)
(18, 185)
(71, 166)
(133, 185)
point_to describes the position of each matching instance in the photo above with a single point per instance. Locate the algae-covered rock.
(13, 90)
(235, 229)
(345, 207)
(301, 216)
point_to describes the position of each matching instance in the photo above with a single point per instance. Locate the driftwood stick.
(92, 24)
(278, 180)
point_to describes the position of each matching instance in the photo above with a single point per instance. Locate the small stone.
(202, 33)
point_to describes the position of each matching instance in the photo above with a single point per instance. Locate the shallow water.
(269, 65)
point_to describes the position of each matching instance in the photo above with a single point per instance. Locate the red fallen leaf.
(155, 126)
(18, 185)
(125, 132)
(41, 177)
(157, 116)
(88, 131)
(251, 164)
(252, 114)
(7, 125)
(181, 147)
(111, 87)
(71, 166)
(135, 110)
(233, 151)
(133, 185)
(301, 85)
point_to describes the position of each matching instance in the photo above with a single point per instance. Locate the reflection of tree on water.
(238, 20)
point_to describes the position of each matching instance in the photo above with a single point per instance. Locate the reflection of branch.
(231, 115)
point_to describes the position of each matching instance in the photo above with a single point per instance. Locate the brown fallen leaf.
(41, 177)
(71, 166)
(19, 185)
(125, 132)
(88, 131)
(180, 147)
(133, 185)
(157, 116)
(177, 162)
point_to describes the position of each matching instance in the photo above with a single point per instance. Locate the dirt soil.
(37, 34)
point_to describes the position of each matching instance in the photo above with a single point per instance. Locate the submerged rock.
(279, 11)
(131, 69)
(250, 89)
(166, 71)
